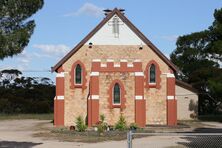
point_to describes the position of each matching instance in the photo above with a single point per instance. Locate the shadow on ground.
(14, 144)
(208, 141)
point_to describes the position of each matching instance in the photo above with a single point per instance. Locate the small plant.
(133, 126)
(102, 117)
(80, 125)
(102, 126)
(121, 124)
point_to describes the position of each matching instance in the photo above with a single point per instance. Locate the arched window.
(78, 74)
(116, 94)
(152, 73)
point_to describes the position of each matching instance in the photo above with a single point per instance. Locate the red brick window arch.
(117, 95)
(152, 75)
(78, 75)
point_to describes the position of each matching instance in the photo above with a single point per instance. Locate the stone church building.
(115, 70)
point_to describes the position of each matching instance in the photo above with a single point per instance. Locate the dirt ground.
(20, 134)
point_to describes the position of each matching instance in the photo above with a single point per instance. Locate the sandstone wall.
(76, 99)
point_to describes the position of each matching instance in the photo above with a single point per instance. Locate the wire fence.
(175, 140)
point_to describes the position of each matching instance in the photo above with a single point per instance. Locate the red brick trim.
(171, 102)
(122, 95)
(172, 112)
(60, 69)
(59, 112)
(140, 104)
(72, 76)
(96, 66)
(158, 72)
(55, 111)
(60, 86)
(140, 112)
(93, 112)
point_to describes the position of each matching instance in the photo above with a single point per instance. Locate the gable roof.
(186, 86)
(130, 25)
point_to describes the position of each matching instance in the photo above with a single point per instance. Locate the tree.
(15, 28)
(199, 56)
(20, 94)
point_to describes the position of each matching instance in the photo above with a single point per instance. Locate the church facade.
(115, 70)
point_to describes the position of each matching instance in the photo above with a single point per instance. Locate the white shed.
(187, 101)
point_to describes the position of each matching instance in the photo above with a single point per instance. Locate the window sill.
(151, 85)
(116, 105)
(77, 86)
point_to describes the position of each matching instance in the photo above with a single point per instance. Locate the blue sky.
(60, 25)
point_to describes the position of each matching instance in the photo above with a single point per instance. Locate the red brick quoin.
(58, 101)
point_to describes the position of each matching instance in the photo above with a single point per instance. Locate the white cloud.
(171, 38)
(87, 9)
(24, 59)
(21, 61)
(50, 50)
(40, 55)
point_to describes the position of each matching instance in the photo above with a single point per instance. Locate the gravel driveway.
(19, 134)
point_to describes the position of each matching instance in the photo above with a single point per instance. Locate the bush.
(80, 125)
(102, 118)
(121, 124)
(133, 126)
(102, 126)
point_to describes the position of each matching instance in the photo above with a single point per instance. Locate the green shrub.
(80, 125)
(102, 117)
(102, 126)
(121, 124)
(134, 126)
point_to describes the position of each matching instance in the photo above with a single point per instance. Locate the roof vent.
(107, 11)
(122, 10)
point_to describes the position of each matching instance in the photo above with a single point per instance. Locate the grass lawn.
(26, 116)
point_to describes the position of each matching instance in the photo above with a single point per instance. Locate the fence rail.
(211, 140)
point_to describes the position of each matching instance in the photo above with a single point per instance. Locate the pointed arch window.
(78, 74)
(152, 73)
(116, 94)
